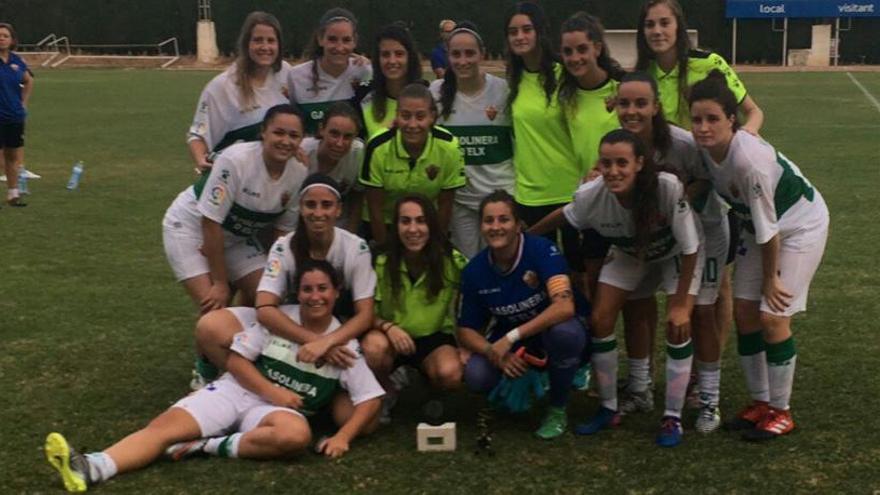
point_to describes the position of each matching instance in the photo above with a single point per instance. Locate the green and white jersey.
(676, 230)
(684, 160)
(275, 358)
(590, 120)
(240, 195)
(547, 171)
(223, 117)
(482, 125)
(345, 173)
(700, 63)
(348, 253)
(371, 125)
(313, 98)
(767, 191)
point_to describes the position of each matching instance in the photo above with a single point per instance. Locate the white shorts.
(798, 262)
(717, 240)
(643, 279)
(465, 227)
(224, 407)
(182, 238)
(245, 316)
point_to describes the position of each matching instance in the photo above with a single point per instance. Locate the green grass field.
(96, 337)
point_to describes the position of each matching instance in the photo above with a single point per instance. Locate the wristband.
(513, 336)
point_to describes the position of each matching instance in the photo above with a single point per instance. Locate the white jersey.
(275, 358)
(240, 195)
(767, 191)
(346, 172)
(313, 98)
(676, 231)
(683, 159)
(482, 125)
(223, 117)
(348, 253)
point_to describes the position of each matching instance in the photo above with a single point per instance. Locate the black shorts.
(593, 245)
(424, 347)
(570, 239)
(734, 224)
(12, 135)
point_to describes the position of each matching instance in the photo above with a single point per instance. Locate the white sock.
(678, 373)
(753, 360)
(12, 193)
(223, 446)
(102, 467)
(781, 360)
(709, 380)
(639, 374)
(605, 366)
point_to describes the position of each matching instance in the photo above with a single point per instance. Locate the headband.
(302, 192)
(469, 31)
(337, 19)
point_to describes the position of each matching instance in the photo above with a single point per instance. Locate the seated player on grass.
(257, 410)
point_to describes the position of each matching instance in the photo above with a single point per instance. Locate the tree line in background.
(151, 21)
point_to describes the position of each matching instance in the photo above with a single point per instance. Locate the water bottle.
(22, 181)
(75, 175)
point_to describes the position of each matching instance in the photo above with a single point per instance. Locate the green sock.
(206, 369)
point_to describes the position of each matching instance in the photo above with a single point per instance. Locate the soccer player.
(209, 230)
(316, 238)
(333, 71)
(547, 169)
(260, 409)
(673, 150)
(416, 296)
(16, 85)
(395, 65)
(785, 228)
(233, 104)
(655, 244)
(473, 107)
(414, 156)
(337, 152)
(520, 282)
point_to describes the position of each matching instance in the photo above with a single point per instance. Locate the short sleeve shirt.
(315, 97)
(389, 166)
(591, 120)
(12, 74)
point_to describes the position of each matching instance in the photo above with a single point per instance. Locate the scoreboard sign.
(802, 8)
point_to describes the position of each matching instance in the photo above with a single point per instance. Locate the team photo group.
(358, 227)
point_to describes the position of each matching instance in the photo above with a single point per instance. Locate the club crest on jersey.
(285, 198)
(432, 171)
(757, 191)
(224, 175)
(531, 279)
(14, 67)
(218, 194)
(682, 205)
(491, 112)
(285, 91)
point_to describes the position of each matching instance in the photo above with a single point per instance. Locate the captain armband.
(559, 285)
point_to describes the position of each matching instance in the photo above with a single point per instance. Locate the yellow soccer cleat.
(70, 464)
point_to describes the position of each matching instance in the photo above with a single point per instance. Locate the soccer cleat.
(604, 418)
(70, 464)
(774, 424)
(182, 450)
(748, 417)
(633, 402)
(554, 424)
(388, 403)
(582, 377)
(708, 419)
(16, 201)
(670, 432)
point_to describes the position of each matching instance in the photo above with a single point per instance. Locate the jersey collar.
(513, 267)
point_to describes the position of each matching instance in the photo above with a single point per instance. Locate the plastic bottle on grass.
(23, 181)
(75, 175)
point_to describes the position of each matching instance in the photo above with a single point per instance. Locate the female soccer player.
(785, 227)
(521, 283)
(673, 150)
(414, 156)
(655, 243)
(337, 152)
(547, 169)
(209, 229)
(416, 296)
(395, 65)
(473, 106)
(16, 85)
(233, 104)
(333, 71)
(258, 410)
(316, 238)
(664, 50)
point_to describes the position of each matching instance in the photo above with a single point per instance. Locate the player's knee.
(375, 346)
(602, 323)
(292, 440)
(216, 328)
(566, 339)
(448, 374)
(480, 375)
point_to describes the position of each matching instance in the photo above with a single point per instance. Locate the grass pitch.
(95, 336)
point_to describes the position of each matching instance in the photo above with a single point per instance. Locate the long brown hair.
(682, 46)
(400, 34)
(436, 253)
(450, 81)
(592, 27)
(245, 68)
(515, 64)
(315, 51)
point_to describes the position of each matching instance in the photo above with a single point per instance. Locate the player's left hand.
(777, 296)
(501, 347)
(301, 156)
(313, 351)
(514, 366)
(341, 356)
(359, 60)
(334, 447)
